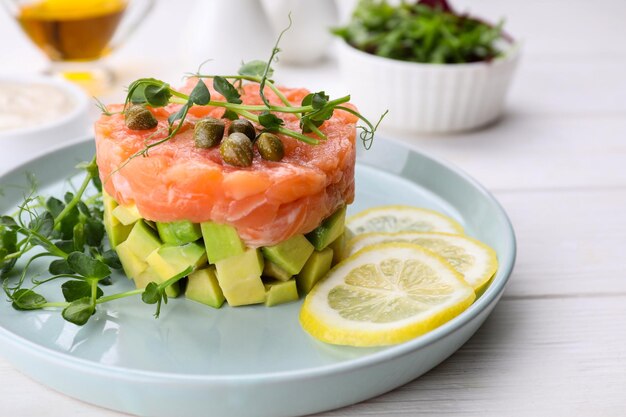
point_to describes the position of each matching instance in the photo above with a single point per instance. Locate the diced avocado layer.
(143, 240)
(127, 215)
(315, 269)
(339, 247)
(221, 241)
(329, 230)
(281, 292)
(132, 264)
(204, 288)
(155, 252)
(272, 270)
(170, 260)
(179, 233)
(151, 275)
(116, 231)
(239, 277)
(290, 255)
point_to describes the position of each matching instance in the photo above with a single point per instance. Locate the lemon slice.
(391, 219)
(474, 260)
(384, 294)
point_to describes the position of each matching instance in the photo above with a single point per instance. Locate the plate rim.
(491, 295)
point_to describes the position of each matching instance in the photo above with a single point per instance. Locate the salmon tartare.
(256, 233)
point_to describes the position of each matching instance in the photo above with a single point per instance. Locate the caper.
(236, 150)
(243, 126)
(270, 147)
(139, 118)
(208, 132)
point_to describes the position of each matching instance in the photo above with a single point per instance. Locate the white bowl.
(38, 137)
(430, 98)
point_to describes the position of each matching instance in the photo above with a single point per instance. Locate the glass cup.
(77, 34)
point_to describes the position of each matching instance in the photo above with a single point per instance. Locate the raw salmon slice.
(267, 202)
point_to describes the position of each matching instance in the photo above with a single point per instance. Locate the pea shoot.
(70, 234)
(312, 112)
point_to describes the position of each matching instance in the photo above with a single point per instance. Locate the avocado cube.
(221, 241)
(179, 233)
(290, 255)
(170, 260)
(143, 240)
(116, 231)
(315, 268)
(274, 271)
(150, 275)
(329, 230)
(127, 215)
(280, 292)
(204, 288)
(239, 277)
(339, 248)
(132, 264)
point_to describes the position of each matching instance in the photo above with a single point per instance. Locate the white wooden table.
(555, 344)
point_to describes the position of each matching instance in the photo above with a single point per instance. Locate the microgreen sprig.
(70, 233)
(312, 112)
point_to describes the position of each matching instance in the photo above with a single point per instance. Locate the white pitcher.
(227, 32)
(309, 37)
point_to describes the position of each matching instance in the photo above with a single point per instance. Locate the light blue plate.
(245, 361)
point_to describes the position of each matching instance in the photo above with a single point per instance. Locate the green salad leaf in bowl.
(426, 31)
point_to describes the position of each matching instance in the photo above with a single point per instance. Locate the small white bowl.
(37, 137)
(428, 98)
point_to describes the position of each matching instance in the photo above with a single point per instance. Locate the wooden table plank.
(538, 357)
(569, 242)
(524, 152)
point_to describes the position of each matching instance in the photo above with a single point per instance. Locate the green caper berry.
(243, 126)
(139, 118)
(270, 147)
(208, 132)
(236, 150)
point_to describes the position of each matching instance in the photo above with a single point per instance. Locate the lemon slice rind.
(473, 259)
(420, 293)
(398, 218)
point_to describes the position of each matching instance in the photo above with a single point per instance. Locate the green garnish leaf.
(316, 100)
(110, 258)
(43, 224)
(180, 114)
(78, 237)
(7, 221)
(94, 232)
(86, 266)
(270, 121)
(55, 206)
(157, 95)
(25, 299)
(200, 94)
(97, 182)
(79, 311)
(75, 289)
(255, 68)
(66, 246)
(150, 91)
(82, 207)
(226, 89)
(230, 115)
(151, 294)
(8, 239)
(59, 267)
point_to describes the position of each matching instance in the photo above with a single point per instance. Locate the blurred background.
(570, 69)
